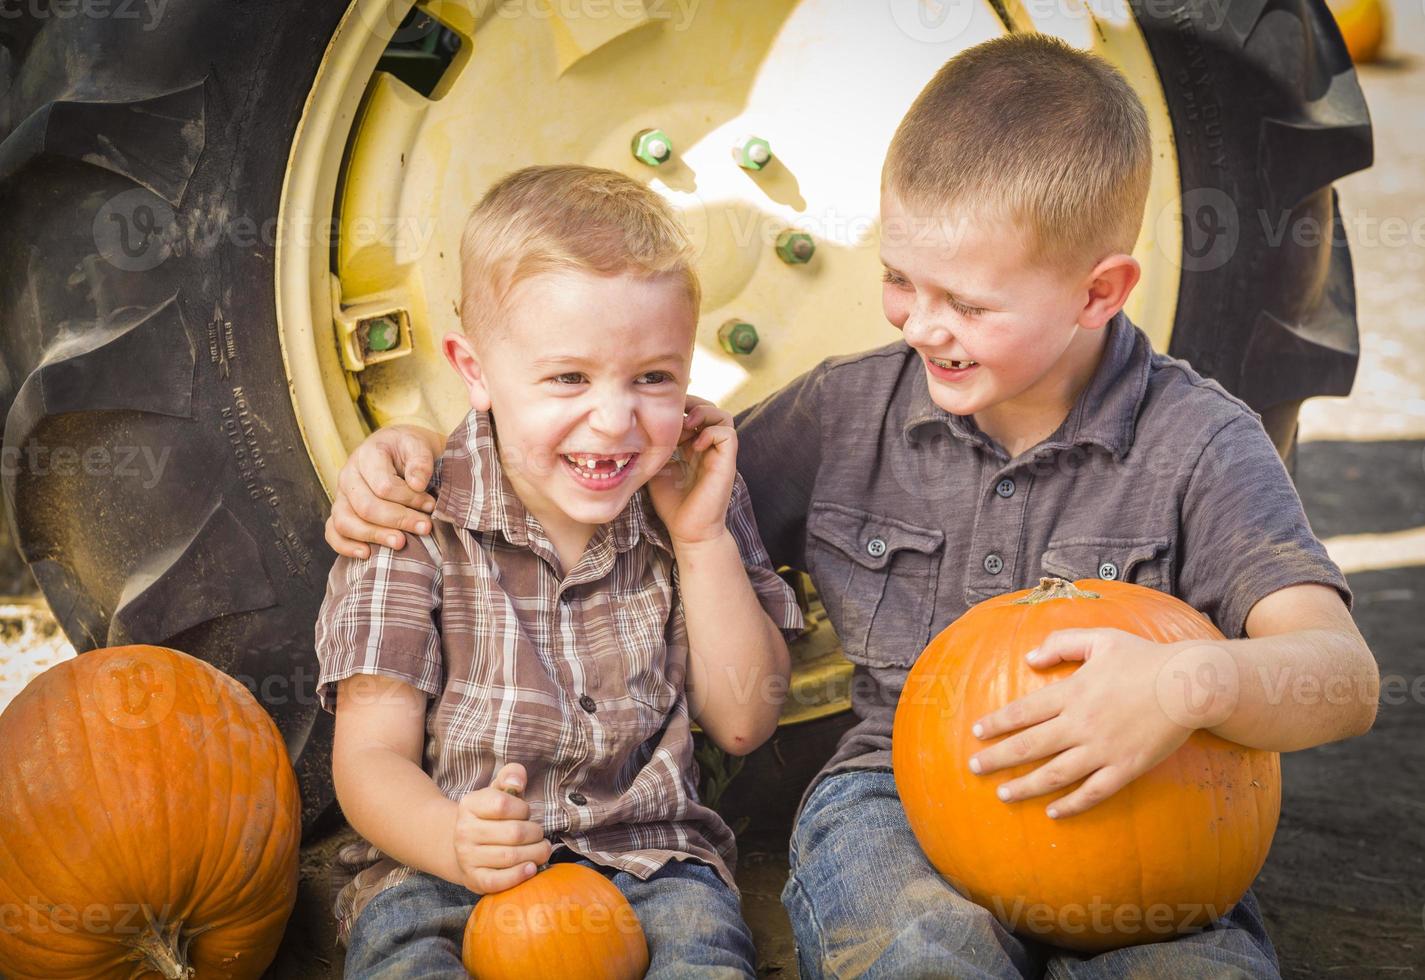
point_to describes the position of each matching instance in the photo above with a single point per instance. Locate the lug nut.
(795, 247)
(752, 152)
(378, 335)
(737, 337)
(652, 146)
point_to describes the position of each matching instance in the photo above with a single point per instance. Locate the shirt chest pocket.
(1141, 561)
(877, 577)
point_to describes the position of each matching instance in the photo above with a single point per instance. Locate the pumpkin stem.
(1054, 588)
(162, 948)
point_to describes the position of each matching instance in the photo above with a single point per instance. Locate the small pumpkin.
(149, 822)
(1170, 852)
(567, 921)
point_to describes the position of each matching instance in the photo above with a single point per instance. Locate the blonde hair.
(1029, 128)
(560, 218)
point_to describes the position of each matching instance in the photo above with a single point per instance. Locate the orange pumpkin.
(567, 921)
(1362, 24)
(149, 822)
(1173, 850)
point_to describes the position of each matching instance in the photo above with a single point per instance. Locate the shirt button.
(578, 799)
(994, 564)
(587, 703)
(1108, 570)
(876, 547)
(1005, 488)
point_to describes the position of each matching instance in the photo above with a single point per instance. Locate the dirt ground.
(1344, 888)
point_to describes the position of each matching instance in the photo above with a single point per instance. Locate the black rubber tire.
(1267, 112)
(219, 551)
(211, 544)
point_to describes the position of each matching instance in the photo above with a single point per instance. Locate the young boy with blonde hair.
(1023, 427)
(521, 687)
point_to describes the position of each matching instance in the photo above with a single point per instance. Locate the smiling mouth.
(595, 467)
(951, 365)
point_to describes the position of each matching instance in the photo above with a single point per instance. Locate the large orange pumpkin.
(1173, 850)
(567, 921)
(149, 822)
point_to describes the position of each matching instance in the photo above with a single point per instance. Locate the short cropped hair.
(565, 218)
(1031, 129)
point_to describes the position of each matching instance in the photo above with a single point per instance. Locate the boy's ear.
(461, 354)
(1110, 282)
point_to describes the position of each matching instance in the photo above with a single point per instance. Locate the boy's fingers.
(1064, 769)
(714, 435)
(1097, 788)
(1064, 645)
(510, 833)
(492, 804)
(347, 524)
(484, 881)
(1025, 746)
(414, 461)
(341, 544)
(510, 778)
(386, 484)
(386, 515)
(497, 857)
(1033, 708)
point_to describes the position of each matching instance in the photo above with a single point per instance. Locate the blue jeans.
(691, 919)
(865, 902)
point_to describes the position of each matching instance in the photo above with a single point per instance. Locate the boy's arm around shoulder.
(379, 657)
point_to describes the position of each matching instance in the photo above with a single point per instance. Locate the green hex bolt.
(652, 146)
(379, 334)
(752, 152)
(737, 337)
(795, 247)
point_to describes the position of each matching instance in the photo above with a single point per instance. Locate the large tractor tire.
(172, 421)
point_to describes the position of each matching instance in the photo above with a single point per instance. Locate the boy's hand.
(692, 491)
(1130, 705)
(373, 502)
(497, 846)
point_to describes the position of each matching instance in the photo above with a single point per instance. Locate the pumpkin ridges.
(139, 756)
(498, 949)
(1024, 848)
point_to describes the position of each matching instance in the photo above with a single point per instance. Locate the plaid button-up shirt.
(579, 679)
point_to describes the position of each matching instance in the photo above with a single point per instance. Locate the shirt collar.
(1104, 414)
(475, 493)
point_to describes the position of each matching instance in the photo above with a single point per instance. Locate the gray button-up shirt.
(906, 515)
